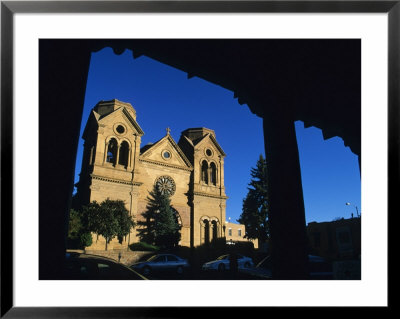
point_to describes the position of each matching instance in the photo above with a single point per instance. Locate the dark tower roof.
(106, 107)
(196, 134)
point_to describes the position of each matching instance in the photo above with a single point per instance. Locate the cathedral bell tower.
(207, 184)
(110, 157)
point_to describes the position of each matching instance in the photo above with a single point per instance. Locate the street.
(203, 275)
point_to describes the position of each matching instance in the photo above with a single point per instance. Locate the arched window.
(206, 231)
(92, 155)
(123, 154)
(112, 151)
(214, 230)
(177, 217)
(213, 174)
(204, 172)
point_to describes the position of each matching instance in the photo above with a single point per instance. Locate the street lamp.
(347, 204)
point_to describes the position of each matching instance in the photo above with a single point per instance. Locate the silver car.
(162, 263)
(223, 263)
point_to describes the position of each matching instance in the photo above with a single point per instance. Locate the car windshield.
(152, 257)
(222, 257)
(265, 263)
(97, 269)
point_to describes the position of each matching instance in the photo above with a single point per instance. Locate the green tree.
(255, 207)
(78, 234)
(160, 226)
(75, 224)
(109, 219)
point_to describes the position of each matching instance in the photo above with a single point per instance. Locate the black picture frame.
(9, 8)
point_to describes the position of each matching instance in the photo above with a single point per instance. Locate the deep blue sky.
(163, 97)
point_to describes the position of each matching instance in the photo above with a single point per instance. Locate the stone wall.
(127, 257)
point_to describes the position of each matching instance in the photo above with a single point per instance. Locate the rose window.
(166, 185)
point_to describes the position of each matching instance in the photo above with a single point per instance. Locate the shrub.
(86, 240)
(142, 246)
(78, 235)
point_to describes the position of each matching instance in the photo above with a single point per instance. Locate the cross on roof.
(168, 130)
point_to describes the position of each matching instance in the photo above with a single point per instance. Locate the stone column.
(117, 155)
(105, 153)
(222, 207)
(134, 195)
(92, 154)
(221, 175)
(196, 168)
(287, 216)
(128, 164)
(135, 155)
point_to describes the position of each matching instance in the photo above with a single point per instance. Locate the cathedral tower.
(207, 190)
(110, 157)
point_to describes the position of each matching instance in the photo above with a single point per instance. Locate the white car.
(222, 263)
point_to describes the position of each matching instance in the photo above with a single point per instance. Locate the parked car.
(223, 263)
(262, 270)
(318, 267)
(91, 267)
(162, 263)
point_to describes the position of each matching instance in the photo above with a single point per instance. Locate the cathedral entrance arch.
(177, 216)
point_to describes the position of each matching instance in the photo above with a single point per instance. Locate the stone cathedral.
(115, 166)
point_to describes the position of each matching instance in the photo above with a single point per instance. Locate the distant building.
(234, 233)
(335, 240)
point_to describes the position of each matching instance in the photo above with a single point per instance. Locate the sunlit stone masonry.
(116, 166)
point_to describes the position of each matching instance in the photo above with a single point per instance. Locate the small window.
(204, 172)
(166, 154)
(213, 174)
(230, 232)
(124, 154)
(110, 157)
(120, 129)
(208, 152)
(239, 232)
(112, 151)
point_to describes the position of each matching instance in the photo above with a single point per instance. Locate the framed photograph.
(286, 65)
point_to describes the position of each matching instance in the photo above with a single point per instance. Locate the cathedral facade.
(116, 166)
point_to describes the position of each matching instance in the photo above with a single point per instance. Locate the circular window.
(120, 129)
(166, 154)
(166, 185)
(208, 152)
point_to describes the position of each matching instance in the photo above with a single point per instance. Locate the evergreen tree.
(255, 206)
(160, 226)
